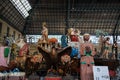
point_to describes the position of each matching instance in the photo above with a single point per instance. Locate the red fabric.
(3, 60)
(53, 78)
(53, 40)
(112, 73)
(23, 50)
(74, 38)
(86, 70)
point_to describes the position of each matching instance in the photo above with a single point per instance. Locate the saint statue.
(44, 32)
(87, 60)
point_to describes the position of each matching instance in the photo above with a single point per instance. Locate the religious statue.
(106, 48)
(44, 32)
(101, 40)
(87, 60)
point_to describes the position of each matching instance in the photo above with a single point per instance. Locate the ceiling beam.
(67, 15)
(116, 28)
(29, 17)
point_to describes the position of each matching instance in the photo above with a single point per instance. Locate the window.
(8, 30)
(22, 6)
(35, 38)
(14, 34)
(18, 36)
(0, 27)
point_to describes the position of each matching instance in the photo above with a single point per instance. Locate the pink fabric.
(86, 71)
(3, 60)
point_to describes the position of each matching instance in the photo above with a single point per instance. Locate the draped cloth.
(3, 60)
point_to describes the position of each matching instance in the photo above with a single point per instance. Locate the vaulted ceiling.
(85, 15)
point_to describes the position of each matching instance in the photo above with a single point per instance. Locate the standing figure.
(106, 48)
(101, 39)
(44, 32)
(87, 60)
(114, 50)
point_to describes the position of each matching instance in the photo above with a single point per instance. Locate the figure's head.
(44, 24)
(65, 58)
(37, 58)
(107, 38)
(86, 37)
(71, 31)
(115, 41)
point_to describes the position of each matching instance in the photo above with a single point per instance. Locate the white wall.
(4, 30)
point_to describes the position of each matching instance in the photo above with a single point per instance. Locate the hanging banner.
(101, 73)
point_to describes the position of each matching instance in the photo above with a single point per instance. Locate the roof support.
(11, 24)
(67, 15)
(116, 28)
(29, 18)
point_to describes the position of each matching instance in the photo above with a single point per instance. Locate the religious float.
(47, 58)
